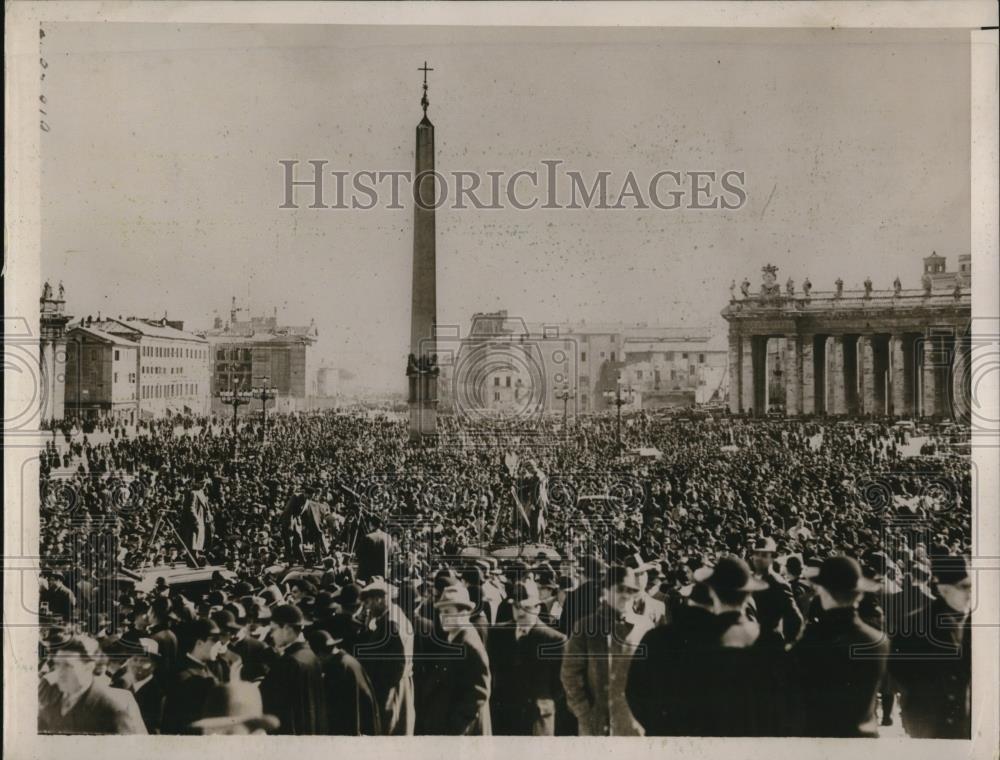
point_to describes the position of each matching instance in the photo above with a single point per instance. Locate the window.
(508, 381)
(613, 338)
(673, 374)
(701, 358)
(638, 374)
(496, 381)
(612, 356)
(602, 354)
(117, 355)
(114, 377)
(496, 396)
(684, 356)
(583, 356)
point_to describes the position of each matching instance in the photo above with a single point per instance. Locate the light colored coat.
(595, 670)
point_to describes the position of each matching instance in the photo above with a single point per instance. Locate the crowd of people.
(713, 577)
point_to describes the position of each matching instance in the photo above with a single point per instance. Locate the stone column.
(793, 376)
(746, 374)
(760, 375)
(897, 376)
(868, 405)
(735, 376)
(961, 381)
(835, 379)
(928, 376)
(807, 391)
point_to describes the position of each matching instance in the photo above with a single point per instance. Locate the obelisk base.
(423, 421)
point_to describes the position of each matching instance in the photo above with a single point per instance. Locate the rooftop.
(140, 327)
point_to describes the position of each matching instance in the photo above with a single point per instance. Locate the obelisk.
(421, 369)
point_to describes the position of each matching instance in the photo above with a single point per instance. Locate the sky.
(161, 184)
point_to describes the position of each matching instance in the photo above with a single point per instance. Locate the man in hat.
(802, 592)
(196, 521)
(525, 657)
(732, 685)
(386, 652)
(774, 606)
(459, 703)
(548, 592)
(879, 567)
(373, 551)
(71, 701)
(255, 656)
(932, 658)
(841, 659)
(494, 588)
(345, 604)
(228, 665)
(138, 676)
(658, 683)
(158, 619)
(55, 596)
(597, 658)
(329, 578)
(585, 600)
(293, 687)
(189, 686)
(645, 604)
(232, 709)
(352, 709)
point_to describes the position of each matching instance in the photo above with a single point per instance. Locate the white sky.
(161, 181)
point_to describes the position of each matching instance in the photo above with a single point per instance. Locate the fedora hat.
(545, 576)
(226, 620)
(133, 646)
(378, 585)
(949, 569)
(593, 567)
(473, 575)
(525, 594)
(729, 574)
(841, 574)
(455, 596)
(619, 575)
(234, 703)
(764, 544)
(288, 614)
(319, 640)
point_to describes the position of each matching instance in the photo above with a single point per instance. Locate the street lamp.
(620, 396)
(265, 394)
(235, 399)
(564, 394)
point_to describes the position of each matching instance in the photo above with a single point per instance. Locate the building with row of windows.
(132, 369)
(258, 352)
(508, 367)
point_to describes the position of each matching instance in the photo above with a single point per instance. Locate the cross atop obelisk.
(424, 101)
(421, 369)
